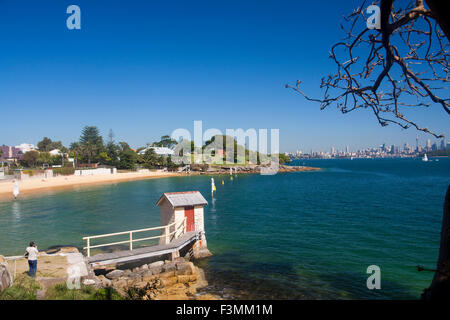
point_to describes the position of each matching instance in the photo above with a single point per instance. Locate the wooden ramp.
(145, 252)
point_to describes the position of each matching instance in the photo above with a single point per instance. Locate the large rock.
(155, 270)
(143, 268)
(169, 267)
(6, 279)
(156, 264)
(183, 268)
(115, 274)
(68, 250)
(104, 281)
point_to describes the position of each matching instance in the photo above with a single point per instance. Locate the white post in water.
(213, 187)
(16, 189)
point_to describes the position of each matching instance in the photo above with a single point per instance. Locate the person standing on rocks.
(31, 254)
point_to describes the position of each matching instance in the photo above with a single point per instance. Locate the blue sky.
(145, 68)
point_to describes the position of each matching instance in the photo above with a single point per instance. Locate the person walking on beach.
(31, 254)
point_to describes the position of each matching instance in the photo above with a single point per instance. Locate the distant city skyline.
(428, 143)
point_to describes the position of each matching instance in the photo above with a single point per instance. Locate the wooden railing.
(168, 235)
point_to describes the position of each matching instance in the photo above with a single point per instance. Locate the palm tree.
(75, 147)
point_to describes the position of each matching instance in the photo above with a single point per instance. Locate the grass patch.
(24, 288)
(50, 266)
(61, 292)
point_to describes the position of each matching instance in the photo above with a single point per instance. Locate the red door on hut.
(189, 214)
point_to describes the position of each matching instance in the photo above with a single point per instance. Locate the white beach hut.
(175, 206)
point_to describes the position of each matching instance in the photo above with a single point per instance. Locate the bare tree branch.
(405, 64)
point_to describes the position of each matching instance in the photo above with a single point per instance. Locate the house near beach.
(160, 151)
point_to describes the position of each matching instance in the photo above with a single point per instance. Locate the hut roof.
(182, 199)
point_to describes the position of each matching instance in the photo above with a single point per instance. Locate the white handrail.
(167, 234)
(15, 258)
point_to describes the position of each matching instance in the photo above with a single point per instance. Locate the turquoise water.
(302, 235)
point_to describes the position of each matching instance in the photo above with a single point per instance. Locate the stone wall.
(160, 280)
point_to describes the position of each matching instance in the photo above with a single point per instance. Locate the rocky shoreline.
(179, 279)
(249, 169)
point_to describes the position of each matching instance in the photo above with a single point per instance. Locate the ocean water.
(302, 235)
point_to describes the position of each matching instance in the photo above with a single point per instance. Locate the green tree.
(283, 158)
(104, 158)
(91, 142)
(150, 158)
(45, 158)
(165, 141)
(112, 150)
(128, 158)
(76, 152)
(30, 159)
(46, 145)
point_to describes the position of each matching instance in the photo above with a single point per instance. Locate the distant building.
(25, 147)
(392, 149)
(11, 154)
(55, 152)
(434, 147)
(160, 151)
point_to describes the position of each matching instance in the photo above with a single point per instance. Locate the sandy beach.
(35, 185)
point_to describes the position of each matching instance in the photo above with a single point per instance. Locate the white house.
(25, 147)
(55, 152)
(160, 151)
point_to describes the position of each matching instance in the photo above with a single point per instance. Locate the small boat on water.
(425, 158)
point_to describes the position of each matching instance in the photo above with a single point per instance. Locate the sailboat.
(425, 158)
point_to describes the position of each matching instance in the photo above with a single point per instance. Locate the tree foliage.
(91, 143)
(166, 141)
(46, 145)
(30, 159)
